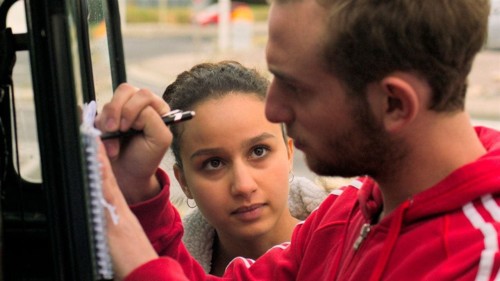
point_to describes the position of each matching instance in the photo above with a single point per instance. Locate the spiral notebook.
(98, 205)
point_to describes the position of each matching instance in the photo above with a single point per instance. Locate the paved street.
(154, 61)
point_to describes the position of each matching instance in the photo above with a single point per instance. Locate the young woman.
(236, 165)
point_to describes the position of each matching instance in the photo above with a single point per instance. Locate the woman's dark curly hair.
(210, 81)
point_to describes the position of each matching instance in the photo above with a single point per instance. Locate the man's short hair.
(436, 39)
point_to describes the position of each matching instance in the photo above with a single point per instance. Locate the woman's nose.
(243, 183)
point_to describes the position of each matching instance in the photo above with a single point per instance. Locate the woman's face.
(236, 165)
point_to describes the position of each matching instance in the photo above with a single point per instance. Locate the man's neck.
(437, 149)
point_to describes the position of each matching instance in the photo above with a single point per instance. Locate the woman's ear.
(179, 175)
(290, 151)
(401, 101)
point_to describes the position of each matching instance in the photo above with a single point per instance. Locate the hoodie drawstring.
(390, 241)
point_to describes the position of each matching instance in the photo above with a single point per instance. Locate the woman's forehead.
(230, 125)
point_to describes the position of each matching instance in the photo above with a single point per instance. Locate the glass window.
(25, 122)
(99, 50)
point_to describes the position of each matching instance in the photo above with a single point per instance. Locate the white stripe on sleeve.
(490, 241)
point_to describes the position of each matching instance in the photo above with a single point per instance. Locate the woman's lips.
(249, 213)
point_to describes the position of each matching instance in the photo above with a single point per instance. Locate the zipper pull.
(365, 229)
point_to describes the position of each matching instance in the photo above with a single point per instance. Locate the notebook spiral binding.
(89, 136)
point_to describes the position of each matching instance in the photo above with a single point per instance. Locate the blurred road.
(155, 54)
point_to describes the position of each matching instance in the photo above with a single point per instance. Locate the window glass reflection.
(99, 49)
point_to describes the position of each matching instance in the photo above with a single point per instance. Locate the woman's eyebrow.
(246, 143)
(206, 151)
(257, 139)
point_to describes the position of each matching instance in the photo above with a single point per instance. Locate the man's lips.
(296, 141)
(298, 144)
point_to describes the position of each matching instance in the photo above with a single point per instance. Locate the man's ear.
(401, 102)
(179, 175)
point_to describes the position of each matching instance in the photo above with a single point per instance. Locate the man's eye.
(289, 86)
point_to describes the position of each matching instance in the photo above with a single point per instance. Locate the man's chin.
(324, 168)
(316, 166)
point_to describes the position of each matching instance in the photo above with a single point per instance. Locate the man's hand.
(135, 159)
(128, 244)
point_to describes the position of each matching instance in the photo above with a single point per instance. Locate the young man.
(364, 87)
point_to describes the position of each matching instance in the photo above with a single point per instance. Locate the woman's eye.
(213, 164)
(259, 151)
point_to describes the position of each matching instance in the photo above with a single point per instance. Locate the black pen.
(172, 117)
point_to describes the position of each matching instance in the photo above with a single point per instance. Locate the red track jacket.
(448, 232)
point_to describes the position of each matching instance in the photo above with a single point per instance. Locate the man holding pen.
(366, 88)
